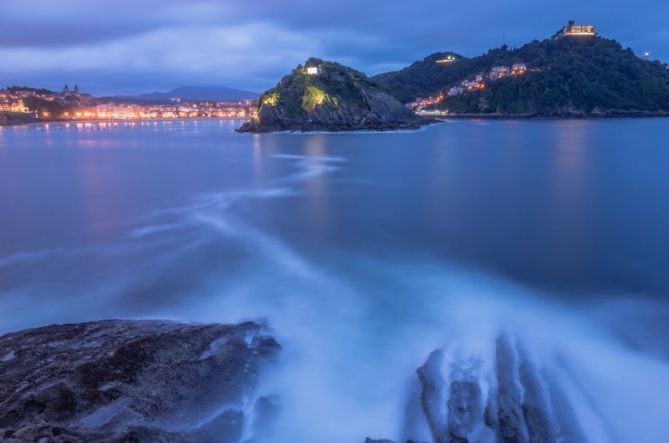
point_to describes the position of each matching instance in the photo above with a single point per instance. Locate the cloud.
(144, 44)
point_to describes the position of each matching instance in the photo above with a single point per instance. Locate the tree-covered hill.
(331, 97)
(566, 76)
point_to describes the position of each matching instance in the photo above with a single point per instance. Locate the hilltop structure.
(574, 30)
(313, 70)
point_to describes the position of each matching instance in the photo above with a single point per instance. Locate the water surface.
(365, 251)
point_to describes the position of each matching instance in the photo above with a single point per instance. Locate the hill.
(564, 77)
(327, 96)
(213, 93)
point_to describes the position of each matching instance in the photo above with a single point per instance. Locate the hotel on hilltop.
(574, 30)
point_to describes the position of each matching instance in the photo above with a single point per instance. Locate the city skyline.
(112, 48)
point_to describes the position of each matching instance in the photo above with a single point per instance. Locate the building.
(518, 69)
(574, 30)
(472, 85)
(313, 70)
(448, 59)
(455, 90)
(499, 72)
(17, 106)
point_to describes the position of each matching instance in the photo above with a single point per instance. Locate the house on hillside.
(499, 72)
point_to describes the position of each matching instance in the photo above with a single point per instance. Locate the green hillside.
(565, 76)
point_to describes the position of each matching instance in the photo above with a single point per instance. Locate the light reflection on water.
(364, 251)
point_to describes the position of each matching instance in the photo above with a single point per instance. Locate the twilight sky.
(122, 46)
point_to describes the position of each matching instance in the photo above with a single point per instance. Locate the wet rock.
(432, 383)
(131, 381)
(503, 397)
(511, 423)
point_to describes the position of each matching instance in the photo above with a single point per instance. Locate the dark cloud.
(125, 46)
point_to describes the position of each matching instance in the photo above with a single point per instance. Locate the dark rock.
(524, 402)
(465, 407)
(130, 381)
(509, 413)
(432, 383)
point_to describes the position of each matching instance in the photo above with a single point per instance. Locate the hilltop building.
(448, 59)
(313, 70)
(574, 30)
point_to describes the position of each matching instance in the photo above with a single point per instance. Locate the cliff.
(326, 96)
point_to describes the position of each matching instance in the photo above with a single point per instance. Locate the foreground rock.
(326, 96)
(135, 381)
(506, 398)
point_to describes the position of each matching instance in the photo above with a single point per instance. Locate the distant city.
(24, 105)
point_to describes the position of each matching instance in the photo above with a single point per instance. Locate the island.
(327, 96)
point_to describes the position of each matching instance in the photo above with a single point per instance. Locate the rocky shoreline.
(134, 381)
(159, 381)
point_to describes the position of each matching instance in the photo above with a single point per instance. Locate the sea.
(363, 252)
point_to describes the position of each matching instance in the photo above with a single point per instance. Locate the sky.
(122, 46)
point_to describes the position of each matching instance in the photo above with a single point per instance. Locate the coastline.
(566, 116)
(112, 121)
(482, 116)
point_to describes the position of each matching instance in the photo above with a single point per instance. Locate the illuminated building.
(499, 72)
(518, 69)
(313, 70)
(448, 59)
(574, 30)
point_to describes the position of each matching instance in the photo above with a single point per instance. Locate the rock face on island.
(326, 96)
(134, 381)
